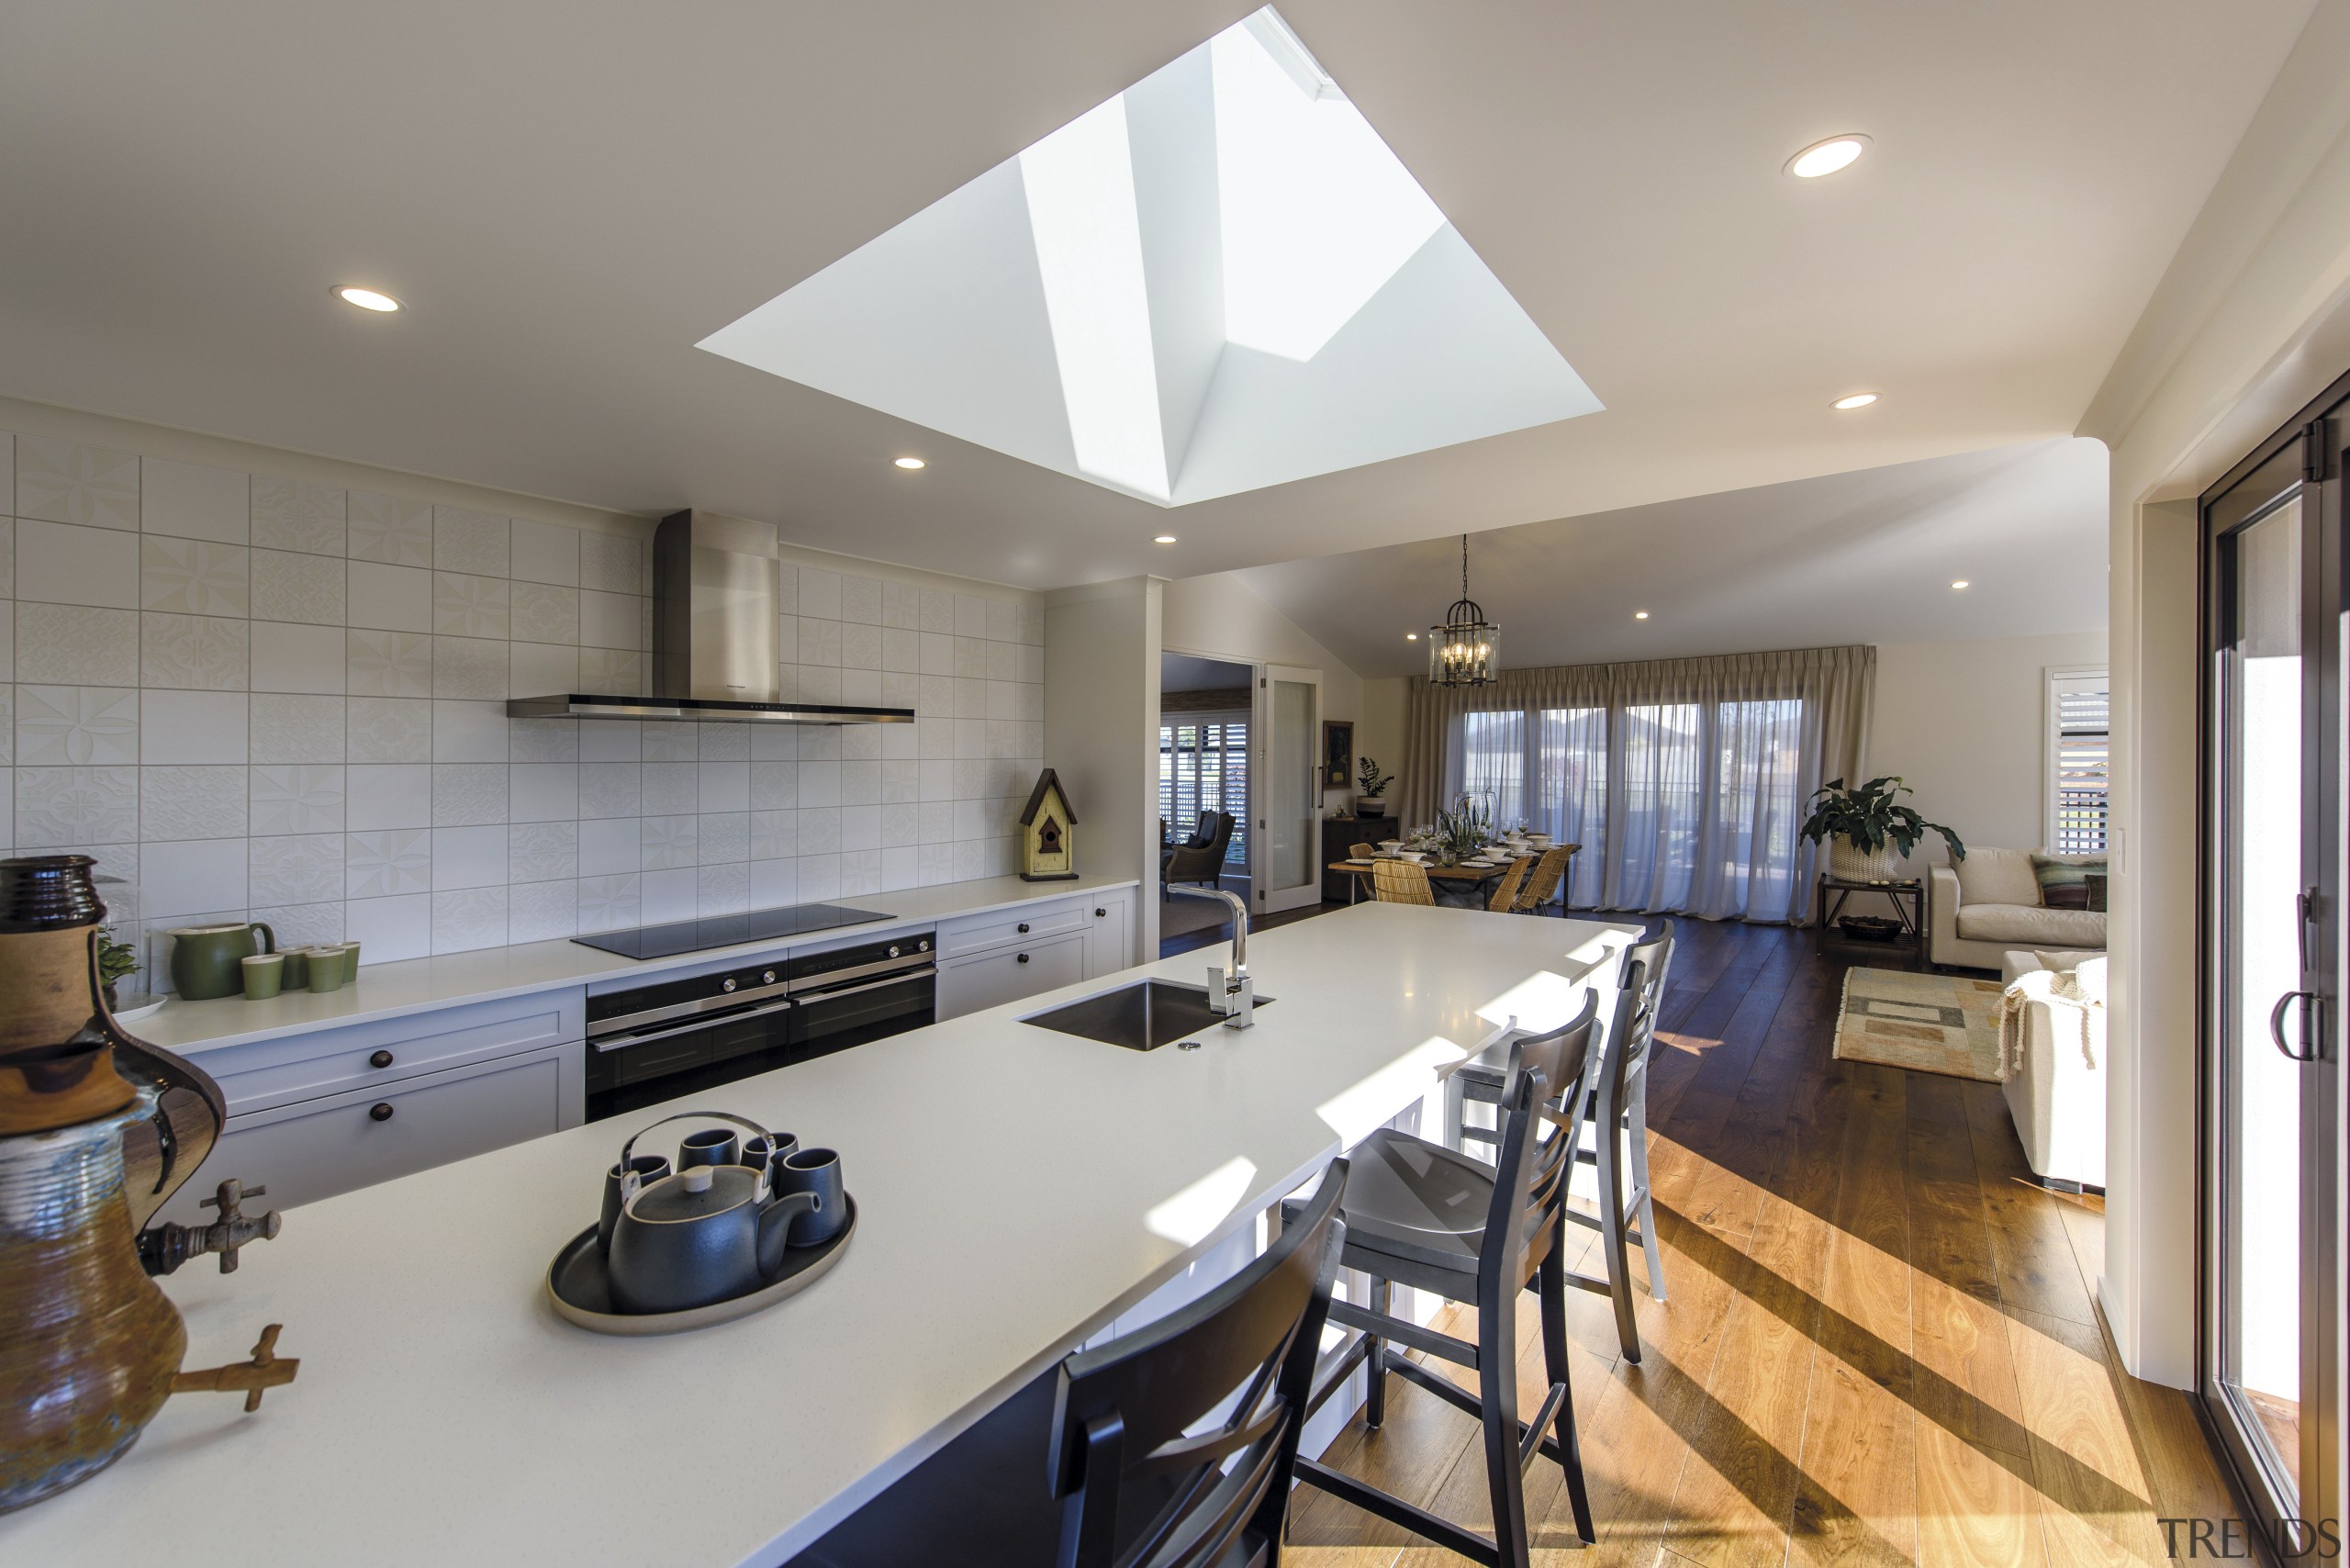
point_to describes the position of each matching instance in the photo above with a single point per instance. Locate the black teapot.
(700, 1235)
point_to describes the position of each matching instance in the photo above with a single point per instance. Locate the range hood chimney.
(714, 654)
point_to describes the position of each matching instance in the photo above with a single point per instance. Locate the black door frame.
(2308, 456)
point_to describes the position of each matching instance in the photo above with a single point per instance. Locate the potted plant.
(116, 961)
(1370, 785)
(1462, 831)
(1869, 829)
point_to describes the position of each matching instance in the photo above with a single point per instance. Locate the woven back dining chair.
(1400, 882)
(1549, 872)
(1362, 851)
(1506, 887)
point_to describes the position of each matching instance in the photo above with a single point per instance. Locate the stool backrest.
(1139, 1488)
(1544, 1086)
(1631, 1032)
(1400, 882)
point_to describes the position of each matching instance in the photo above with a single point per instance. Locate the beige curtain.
(1684, 779)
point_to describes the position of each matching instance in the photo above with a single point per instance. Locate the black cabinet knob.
(1023, 958)
(1100, 913)
(381, 1059)
(1023, 928)
(381, 1111)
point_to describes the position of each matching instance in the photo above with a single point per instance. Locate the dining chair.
(1400, 882)
(1362, 851)
(1549, 872)
(1504, 896)
(1418, 1213)
(1174, 1446)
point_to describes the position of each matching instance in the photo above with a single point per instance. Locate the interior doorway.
(1206, 721)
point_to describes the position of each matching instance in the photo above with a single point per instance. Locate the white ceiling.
(1861, 558)
(571, 195)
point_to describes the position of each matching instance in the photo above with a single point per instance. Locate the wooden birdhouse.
(1047, 834)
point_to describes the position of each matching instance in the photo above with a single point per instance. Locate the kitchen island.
(1018, 1191)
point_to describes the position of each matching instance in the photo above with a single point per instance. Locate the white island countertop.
(1017, 1188)
(417, 985)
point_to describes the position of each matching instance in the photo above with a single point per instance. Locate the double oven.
(651, 1043)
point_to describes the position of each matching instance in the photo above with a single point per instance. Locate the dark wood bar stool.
(1419, 1214)
(1616, 1105)
(1138, 1487)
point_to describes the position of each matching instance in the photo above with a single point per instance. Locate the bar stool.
(1138, 1487)
(1420, 1214)
(1616, 1106)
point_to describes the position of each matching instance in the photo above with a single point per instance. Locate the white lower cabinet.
(316, 1149)
(1109, 932)
(988, 979)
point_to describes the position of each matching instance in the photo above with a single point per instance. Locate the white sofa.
(1989, 904)
(2055, 1088)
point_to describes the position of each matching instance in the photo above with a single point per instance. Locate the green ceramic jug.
(207, 961)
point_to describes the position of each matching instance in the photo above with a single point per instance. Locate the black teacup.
(649, 1168)
(713, 1145)
(816, 1170)
(758, 1151)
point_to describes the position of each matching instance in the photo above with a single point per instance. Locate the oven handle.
(622, 1042)
(809, 998)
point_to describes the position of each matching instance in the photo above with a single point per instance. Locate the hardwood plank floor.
(1879, 1345)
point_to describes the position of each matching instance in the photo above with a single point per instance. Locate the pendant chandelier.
(1467, 649)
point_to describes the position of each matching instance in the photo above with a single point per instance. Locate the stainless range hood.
(714, 655)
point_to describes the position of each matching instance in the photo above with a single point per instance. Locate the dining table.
(1462, 878)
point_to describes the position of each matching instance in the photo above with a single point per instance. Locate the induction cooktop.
(728, 930)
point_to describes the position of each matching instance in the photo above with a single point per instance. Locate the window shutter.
(2079, 719)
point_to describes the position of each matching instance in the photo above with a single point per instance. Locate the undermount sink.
(1141, 1017)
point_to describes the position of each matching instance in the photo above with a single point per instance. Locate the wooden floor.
(1880, 1345)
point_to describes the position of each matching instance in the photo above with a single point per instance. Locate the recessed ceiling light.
(1960, 584)
(1411, 636)
(912, 462)
(1827, 157)
(1857, 400)
(1639, 615)
(1164, 539)
(366, 298)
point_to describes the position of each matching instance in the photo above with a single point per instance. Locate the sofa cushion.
(2028, 926)
(1997, 876)
(2064, 881)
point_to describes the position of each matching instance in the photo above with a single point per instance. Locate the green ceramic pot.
(207, 961)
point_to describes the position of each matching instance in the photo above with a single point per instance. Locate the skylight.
(1220, 279)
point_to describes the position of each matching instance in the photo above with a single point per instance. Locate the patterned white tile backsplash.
(257, 695)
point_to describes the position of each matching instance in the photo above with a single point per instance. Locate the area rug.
(1944, 1024)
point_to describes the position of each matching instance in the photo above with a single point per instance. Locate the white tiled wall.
(253, 696)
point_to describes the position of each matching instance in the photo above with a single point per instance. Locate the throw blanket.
(2075, 999)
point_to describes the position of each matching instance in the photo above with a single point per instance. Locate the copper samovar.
(98, 1130)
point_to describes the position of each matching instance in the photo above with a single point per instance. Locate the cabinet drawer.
(991, 979)
(390, 1051)
(1005, 926)
(320, 1147)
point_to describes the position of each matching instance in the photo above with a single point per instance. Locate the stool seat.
(1421, 1202)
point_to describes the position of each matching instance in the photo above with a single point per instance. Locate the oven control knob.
(922, 945)
(893, 952)
(726, 984)
(767, 977)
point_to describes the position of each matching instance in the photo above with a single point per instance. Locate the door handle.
(2310, 1043)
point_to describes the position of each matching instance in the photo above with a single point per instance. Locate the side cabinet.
(1109, 932)
(328, 1111)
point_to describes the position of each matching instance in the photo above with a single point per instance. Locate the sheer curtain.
(1684, 779)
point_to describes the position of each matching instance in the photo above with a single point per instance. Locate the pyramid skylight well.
(1218, 280)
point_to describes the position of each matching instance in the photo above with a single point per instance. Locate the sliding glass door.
(2271, 1101)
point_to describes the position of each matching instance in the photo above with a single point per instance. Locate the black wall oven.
(655, 1042)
